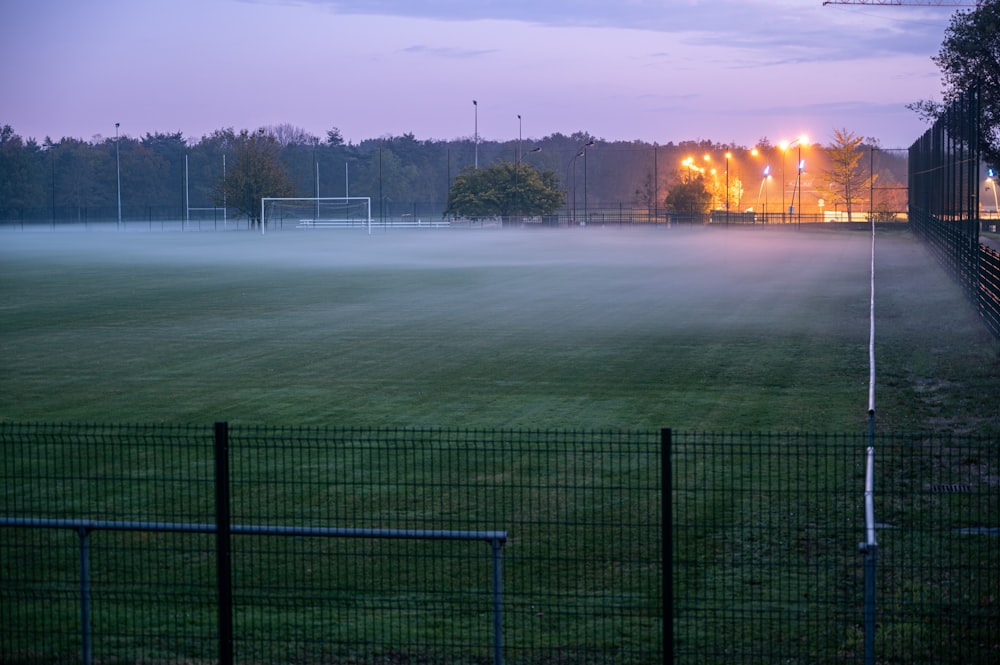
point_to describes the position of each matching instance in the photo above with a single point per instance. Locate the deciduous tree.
(970, 55)
(847, 180)
(504, 190)
(257, 172)
(689, 195)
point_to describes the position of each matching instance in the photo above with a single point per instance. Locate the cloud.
(447, 51)
(809, 29)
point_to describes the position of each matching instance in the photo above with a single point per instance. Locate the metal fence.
(766, 560)
(350, 545)
(944, 206)
(188, 544)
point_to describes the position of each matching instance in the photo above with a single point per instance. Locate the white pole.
(187, 194)
(870, 545)
(347, 182)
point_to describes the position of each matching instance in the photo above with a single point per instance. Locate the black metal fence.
(944, 203)
(127, 543)
(766, 560)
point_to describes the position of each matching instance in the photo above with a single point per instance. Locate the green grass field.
(693, 329)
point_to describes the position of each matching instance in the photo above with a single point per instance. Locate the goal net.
(317, 213)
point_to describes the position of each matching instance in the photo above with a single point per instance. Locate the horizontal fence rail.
(328, 561)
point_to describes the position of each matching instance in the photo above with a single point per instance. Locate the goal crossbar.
(312, 211)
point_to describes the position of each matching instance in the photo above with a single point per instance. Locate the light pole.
(572, 165)
(475, 105)
(118, 173)
(517, 170)
(990, 178)
(728, 155)
(586, 145)
(764, 178)
(785, 145)
(798, 186)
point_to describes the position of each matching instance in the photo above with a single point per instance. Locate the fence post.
(85, 648)
(223, 550)
(666, 538)
(497, 544)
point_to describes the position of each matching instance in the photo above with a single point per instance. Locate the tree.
(257, 172)
(504, 190)
(20, 172)
(689, 195)
(969, 56)
(847, 177)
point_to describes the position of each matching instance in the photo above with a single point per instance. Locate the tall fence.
(944, 203)
(245, 544)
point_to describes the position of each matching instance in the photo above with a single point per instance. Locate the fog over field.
(708, 328)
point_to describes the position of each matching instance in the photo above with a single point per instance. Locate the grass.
(689, 329)
(696, 329)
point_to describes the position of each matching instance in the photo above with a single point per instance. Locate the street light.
(990, 175)
(728, 155)
(582, 152)
(118, 172)
(586, 145)
(785, 145)
(475, 105)
(764, 178)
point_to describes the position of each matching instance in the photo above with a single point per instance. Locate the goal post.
(331, 212)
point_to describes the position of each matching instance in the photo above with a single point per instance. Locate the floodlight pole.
(118, 172)
(225, 217)
(187, 195)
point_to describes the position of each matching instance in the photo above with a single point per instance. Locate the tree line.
(168, 174)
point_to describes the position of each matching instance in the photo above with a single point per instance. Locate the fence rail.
(759, 533)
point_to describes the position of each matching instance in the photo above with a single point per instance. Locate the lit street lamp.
(728, 155)
(763, 181)
(784, 149)
(990, 178)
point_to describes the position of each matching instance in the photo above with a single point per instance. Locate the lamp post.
(785, 145)
(586, 145)
(728, 155)
(475, 105)
(572, 166)
(990, 178)
(764, 178)
(118, 174)
(517, 169)
(798, 185)
(582, 152)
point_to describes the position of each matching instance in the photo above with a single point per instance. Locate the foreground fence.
(191, 544)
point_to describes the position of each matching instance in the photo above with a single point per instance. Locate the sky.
(727, 71)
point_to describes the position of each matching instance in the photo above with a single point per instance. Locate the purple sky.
(730, 71)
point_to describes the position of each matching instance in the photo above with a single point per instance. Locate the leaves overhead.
(970, 56)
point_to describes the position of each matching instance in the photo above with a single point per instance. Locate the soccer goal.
(341, 212)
